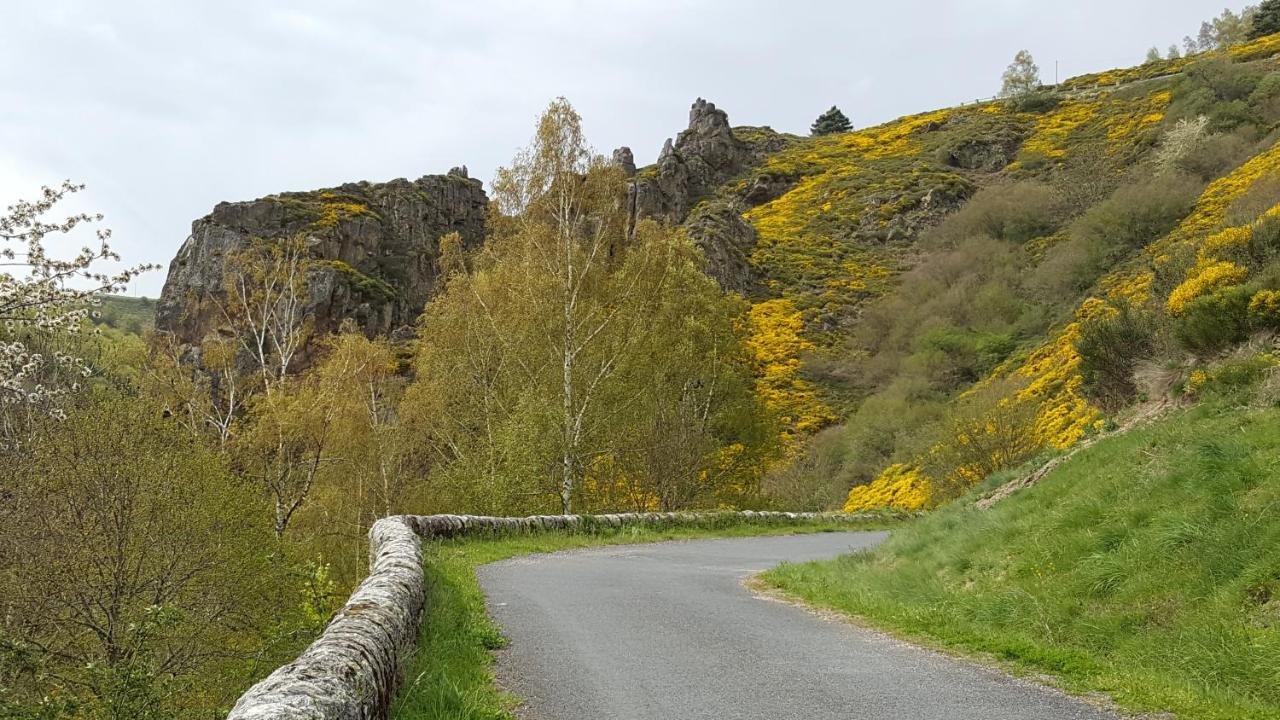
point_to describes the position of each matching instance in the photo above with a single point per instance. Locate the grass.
(1146, 567)
(451, 676)
(131, 315)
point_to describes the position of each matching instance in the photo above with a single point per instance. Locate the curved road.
(668, 632)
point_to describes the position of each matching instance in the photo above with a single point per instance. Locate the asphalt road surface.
(668, 632)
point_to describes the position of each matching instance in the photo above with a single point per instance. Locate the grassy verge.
(1147, 567)
(451, 677)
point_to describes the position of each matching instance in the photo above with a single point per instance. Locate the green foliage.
(370, 288)
(1266, 20)
(1110, 346)
(1016, 213)
(130, 315)
(580, 364)
(1035, 101)
(831, 121)
(147, 554)
(1219, 89)
(1215, 321)
(1144, 567)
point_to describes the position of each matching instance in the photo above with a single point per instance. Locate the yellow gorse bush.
(1264, 308)
(899, 487)
(776, 343)
(1053, 130)
(1205, 278)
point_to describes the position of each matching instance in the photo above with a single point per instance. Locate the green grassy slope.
(1146, 567)
(131, 315)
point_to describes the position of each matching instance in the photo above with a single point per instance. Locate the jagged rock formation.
(352, 671)
(689, 170)
(379, 243)
(702, 158)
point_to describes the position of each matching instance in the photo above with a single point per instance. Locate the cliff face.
(690, 170)
(379, 244)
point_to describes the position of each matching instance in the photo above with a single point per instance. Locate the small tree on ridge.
(831, 121)
(1021, 77)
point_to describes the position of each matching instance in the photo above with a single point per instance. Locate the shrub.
(1135, 215)
(1264, 310)
(1266, 97)
(1038, 101)
(990, 429)
(1217, 88)
(1215, 321)
(1110, 346)
(1180, 141)
(1219, 153)
(1236, 378)
(1016, 213)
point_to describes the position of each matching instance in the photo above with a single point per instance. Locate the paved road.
(668, 632)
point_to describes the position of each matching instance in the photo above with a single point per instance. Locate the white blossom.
(39, 307)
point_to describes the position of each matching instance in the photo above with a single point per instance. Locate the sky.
(163, 109)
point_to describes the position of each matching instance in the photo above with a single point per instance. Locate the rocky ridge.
(681, 188)
(377, 245)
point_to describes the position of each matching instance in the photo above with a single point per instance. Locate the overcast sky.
(166, 108)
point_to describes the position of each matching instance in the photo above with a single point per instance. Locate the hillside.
(920, 288)
(132, 315)
(1144, 568)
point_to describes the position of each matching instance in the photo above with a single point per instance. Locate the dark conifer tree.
(831, 121)
(1266, 21)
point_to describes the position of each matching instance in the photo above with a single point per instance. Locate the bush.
(1133, 217)
(1236, 379)
(1136, 215)
(1110, 346)
(1264, 310)
(1219, 153)
(1015, 213)
(1219, 89)
(1036, 101)
(1266, 97)
(1214, 322)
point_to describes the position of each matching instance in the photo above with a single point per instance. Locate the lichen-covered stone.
(352, 671)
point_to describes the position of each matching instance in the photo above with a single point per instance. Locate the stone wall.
(353, 670)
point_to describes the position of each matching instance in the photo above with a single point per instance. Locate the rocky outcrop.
(353, 670)
(378, 243)
(680, 188)
(702, 158)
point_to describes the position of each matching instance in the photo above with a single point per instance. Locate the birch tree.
(536, 364)
(264, 302)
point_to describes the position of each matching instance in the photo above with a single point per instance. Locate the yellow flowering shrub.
(899, 487)
(1264, 309)
(1263, 47)
(776, 343)
(1129, 287)
(1127, 118)
(1211, 209)
(1205, 278)
(1230, 240)
(1054, 380)
(1053, 129)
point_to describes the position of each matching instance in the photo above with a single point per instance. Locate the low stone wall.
(353, 670)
